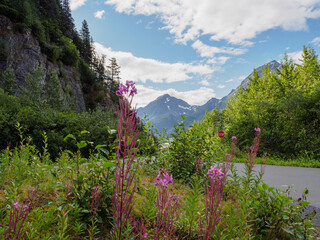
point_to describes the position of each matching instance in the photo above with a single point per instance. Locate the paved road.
(299, 178)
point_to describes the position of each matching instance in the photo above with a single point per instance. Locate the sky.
(196, 49)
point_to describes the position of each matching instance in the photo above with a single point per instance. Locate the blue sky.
(196, 50)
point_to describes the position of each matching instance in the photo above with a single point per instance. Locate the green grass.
(296, 162)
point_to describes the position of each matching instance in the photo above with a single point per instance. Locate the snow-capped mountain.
(165, 111)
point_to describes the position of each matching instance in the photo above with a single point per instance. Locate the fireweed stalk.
(213, 196)
(167, 207)
(227, 160)
(96, 195)
(18, 215)
(125, 152)
(253, 150)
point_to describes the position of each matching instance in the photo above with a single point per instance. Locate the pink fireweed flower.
(129, 84)
(145, 235)
(257, 129)
(128, 88)
(234, 138)
(133, 91)
(215, 173)
(175, 197)
(165, 181)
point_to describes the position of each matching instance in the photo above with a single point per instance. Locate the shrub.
(69, 52)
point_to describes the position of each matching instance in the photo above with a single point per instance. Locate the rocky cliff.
(22, 52)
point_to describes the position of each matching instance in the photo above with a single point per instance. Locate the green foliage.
(189, 146)
(8, 82)
(284, 105)
(69, 53)
(3, 50)
(53, 92)
(35, 118)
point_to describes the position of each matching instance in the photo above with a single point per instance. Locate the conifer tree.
(8, 81)
(114, 70)
(66, 21)
(86, 51)
(52, 92)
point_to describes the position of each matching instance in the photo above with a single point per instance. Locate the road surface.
(298, 177)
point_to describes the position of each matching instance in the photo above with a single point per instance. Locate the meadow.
(126, 193)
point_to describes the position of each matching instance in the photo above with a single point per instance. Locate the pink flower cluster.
(215, 173)
(234, 138)
(165, 181)
(125, 89)
(257, 129)
(175, 197)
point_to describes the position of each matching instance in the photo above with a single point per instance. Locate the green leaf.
(70, 136)
(82, 144)
(57, 185)
(108, 164)
(305, 203)
(84, 132)
(100, 146)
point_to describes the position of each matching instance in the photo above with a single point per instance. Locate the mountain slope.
(165, 111)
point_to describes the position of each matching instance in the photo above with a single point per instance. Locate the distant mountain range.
(165, 111)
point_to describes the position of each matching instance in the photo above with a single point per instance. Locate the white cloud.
(221, 86)
(209, 51)
(146, 69)
(218, 60)
(194, 97)
(235, 22)
(148, 26)
(316, 41)
(74, 4)
(230, 80)
(99, 14)
(295, 56)
(205, 83)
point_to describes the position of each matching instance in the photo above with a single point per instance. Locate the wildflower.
(165, 181)
(215, 173)
(145, 235)
(129, 84)
(125, 89)
(133, 91)
(25, 207)
(257, 129)
(234, 138)
(16, 205)
(175, 197)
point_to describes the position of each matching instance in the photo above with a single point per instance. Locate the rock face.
(23, 54)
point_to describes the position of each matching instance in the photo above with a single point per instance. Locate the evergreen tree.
(86, 51)
(309, 71)
(114, 70)
(33, 91)
(66, 21)
(99, 67)
(52, 92)
(8, 81)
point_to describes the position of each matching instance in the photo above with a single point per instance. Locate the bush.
(57, 124)
(69, 52)
(52, 51)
